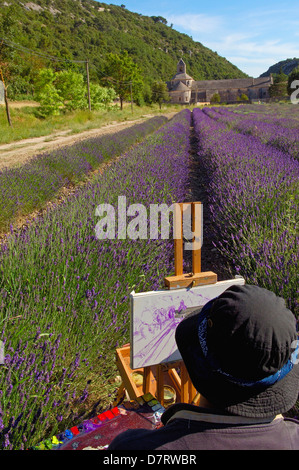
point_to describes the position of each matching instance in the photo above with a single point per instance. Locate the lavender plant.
(252, 192)
(279, 133)
(27, 188)
(64, 304)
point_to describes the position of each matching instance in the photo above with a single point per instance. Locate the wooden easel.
(196, 277)
(156, 377)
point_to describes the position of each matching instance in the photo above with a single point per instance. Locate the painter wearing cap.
(241, 353)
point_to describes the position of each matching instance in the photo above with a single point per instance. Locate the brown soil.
(23, 104)
(16, 153)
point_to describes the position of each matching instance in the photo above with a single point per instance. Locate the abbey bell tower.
(181, 67)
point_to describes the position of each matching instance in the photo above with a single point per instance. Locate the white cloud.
(255, 48)
(263, 39)
(252, 66)
(252, 61)
(251, 54)
(196, 23)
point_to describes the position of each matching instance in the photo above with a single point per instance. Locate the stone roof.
(231, 83)
(180, 86)
(181, 76)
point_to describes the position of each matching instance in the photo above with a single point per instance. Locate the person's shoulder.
(292, 423)
(291, 420)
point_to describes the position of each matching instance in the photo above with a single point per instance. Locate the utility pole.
(6, 105)
(5, 99)
(131, 97)
(88, 86)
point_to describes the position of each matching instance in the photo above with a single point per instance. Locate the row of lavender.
(27, 188)
(281, 133)
(286, 118)
(287, 112)
(64, 294)
(252, 194)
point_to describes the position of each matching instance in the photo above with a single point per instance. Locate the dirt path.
(17, 153)
(211, 259)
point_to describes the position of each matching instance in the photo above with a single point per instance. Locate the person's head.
(240, 352)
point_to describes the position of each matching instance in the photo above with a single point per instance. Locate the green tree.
(9, 23)
(147, 93)
(159, 19)
(124, 75)
(159, 93)
(294, 75)
(215, 98)
(243, 97)
(101, 97)
(279, 88)
(46, 93)
(72, 89)
(66, 91)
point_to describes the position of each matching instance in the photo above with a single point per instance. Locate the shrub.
(215, 98)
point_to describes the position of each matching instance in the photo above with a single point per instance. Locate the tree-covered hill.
(81, 29)
(285, 66)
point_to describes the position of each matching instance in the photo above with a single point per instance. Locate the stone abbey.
(183, 89)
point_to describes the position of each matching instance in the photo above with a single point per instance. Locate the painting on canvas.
(155, 316)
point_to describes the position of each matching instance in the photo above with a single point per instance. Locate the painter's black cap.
(239, 352)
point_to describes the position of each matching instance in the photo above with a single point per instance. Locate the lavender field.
(253, 194)
(64, 304)
(29, 187)
(64, 294)
(280, 132)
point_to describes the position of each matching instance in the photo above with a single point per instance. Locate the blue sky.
(252, 35)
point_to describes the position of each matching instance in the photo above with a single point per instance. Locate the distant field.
(25, 124)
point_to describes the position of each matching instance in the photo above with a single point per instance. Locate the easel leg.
(148, 380)
(160, 385)
(192, 392)
(120, 393)
(176, 380)
(196, 399)
(184, 384)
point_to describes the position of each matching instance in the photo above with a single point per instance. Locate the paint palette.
(98, 432)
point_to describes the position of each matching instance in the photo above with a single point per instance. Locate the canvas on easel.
(156, 314)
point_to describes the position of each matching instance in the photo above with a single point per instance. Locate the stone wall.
(180, 97)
